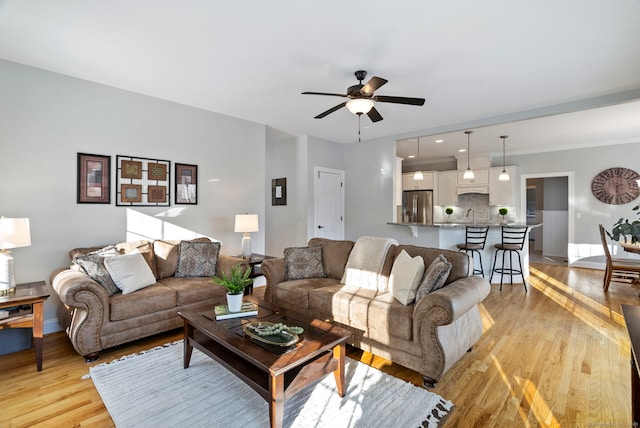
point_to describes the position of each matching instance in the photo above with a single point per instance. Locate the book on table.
(248, 310)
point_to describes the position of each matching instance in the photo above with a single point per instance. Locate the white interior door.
(329, 203)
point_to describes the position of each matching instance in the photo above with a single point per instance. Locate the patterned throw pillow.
(93, 265)
(303, 263)
(197, 259)
(434, 277)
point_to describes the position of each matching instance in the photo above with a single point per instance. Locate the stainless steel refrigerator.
(417, 206)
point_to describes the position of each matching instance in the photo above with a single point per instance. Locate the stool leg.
(521, 271)
(511, 267)
(480, 259)
(493, 268)
(502, 269)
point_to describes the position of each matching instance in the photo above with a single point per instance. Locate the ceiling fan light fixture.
(360, 105)
(504, 175)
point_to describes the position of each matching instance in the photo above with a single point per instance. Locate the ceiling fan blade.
(323, 93)
(331, 110)
(374, 115)
(399, 100)
(374, 83)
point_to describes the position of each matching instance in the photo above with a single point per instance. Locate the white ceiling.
(476, 62)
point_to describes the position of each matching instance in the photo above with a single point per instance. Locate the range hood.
(463, 190)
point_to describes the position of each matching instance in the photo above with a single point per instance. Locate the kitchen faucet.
(470, 210)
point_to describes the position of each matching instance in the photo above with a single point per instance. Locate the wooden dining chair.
(618, 269)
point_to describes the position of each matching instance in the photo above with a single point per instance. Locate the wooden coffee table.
(276, 377)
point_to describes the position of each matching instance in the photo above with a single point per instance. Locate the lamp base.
(7, 278)
(246, 246)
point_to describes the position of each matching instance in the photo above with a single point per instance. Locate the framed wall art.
(94, 179)
(186, 179)
(142, 181)
(279, 191)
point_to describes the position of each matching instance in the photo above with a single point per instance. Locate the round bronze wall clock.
(616, 186)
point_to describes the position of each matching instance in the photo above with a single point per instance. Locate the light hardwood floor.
(555, 356)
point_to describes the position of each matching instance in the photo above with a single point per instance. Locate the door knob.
(320, 227)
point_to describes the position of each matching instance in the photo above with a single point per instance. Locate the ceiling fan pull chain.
(359, 116)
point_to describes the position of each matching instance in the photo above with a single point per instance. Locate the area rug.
(152, 389)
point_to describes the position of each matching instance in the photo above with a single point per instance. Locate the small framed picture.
(279, 191)
(186, 184)
(131, 192)
(157, 194)
(130, 169)
(94, 179)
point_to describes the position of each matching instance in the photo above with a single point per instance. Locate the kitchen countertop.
(446, 225)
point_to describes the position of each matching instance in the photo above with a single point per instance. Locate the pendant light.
(418, 175)
(504, 176)
(468, 174)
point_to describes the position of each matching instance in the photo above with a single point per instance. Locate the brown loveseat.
(96, 318)
(428, 336)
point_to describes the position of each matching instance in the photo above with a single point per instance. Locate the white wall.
(47, 118)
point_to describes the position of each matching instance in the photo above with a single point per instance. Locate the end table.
(31, 294)
(255, 263)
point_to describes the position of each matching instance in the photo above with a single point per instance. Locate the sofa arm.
(273, 270)
(88, 308)
(225, 263)
(453, 300)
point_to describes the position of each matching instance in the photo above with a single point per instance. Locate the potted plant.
(503, 212)
(235, 283)
(448, 211)
(625, 229)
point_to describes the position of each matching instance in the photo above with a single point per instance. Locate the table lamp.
(14, 233)
(246, 223)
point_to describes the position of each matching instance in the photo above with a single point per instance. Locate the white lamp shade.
(246, 223)
(504, 176)
(14, 233)
(418, 176)
(468, 174)
(359, 105)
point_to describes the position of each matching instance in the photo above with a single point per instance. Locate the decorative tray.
(283, 338)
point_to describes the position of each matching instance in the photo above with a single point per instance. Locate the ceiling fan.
(361, 98)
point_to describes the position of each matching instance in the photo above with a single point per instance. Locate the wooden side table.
(33, 294)
(255, 261)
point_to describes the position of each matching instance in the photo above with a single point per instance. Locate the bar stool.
(513, 238)
(476, 237)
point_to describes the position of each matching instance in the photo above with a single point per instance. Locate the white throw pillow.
(405, 278)
(130, 272)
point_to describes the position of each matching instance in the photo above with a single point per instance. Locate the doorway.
(328, 203)
(548, 199)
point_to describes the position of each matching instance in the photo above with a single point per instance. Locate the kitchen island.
(448, 235)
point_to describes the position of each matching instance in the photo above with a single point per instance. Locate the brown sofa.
(428, 336)
(95, 319)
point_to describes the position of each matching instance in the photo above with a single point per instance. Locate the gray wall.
(47, 118)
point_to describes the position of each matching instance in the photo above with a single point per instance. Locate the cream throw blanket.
(364, 266)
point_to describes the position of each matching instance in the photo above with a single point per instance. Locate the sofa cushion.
(295, 293)
(434, 277)
(146, 301)
(166, 252)
(130, 272)
(93, 265)
(194, 290)
(389, 317)
(334, 255)
(303, 263)
(405, 278)
(145, 248)
(197, 259)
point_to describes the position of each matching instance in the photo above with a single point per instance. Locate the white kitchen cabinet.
(502, 193)
(408, 183)
(481, 177)
(446, 194)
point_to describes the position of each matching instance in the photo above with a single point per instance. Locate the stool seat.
(513, 238)
(475, 238)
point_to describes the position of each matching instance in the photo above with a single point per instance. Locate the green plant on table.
(626, 229)
(448, 211)
(237, 280)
